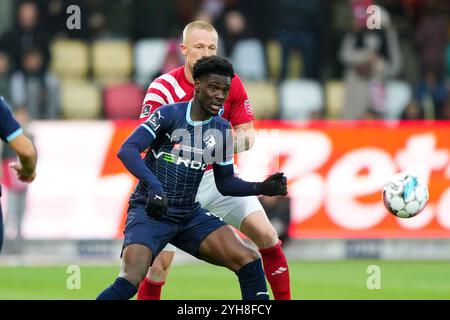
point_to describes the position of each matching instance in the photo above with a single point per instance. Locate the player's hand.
(274, 185)
(156, 204)
(22, 174)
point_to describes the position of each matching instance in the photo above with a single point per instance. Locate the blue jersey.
(9, 127)
(182, 149)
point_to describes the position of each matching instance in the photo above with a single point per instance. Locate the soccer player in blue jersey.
(183, 139)
(12, 133)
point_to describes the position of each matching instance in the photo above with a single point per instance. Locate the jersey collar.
(190, 121)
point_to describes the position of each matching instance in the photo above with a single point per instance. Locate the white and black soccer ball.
(404, 195)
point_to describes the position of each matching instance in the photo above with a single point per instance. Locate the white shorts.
(233, 210)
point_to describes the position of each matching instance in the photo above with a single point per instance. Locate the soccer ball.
(404, 195)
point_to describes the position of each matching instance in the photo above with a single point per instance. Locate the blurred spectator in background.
(26, 34)
(369, 57)
(299, 24)
(160, 19)
(204, 15)
(413, 111)
(5, 76)
(233, 27)
(405, 15)
(447, 58)
(432, 92)
(55, 16)
(35, 88)
(340, 19)
(413, 9)
(112, 19)
(446, 109)
(431, 40)
(214, 9)
(17, 190)
(172, 61)
(97, 20)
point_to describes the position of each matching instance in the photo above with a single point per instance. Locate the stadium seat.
(123, 101)
(263, 96)
(80, 100)
(112, 60)
(398, 95)
(70, 58)
(334, 97)
(248, 59)
(273, 50)
(149, 57)
(299, 99)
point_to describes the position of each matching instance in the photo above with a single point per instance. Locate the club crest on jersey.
(210, 142)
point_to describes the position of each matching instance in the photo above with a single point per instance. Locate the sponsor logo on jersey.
(172, 158)
(248, 107)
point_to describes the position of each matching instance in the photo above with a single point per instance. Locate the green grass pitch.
(309, 280)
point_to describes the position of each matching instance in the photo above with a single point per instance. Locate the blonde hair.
(197, 25)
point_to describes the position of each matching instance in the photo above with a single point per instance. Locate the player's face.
(198, 44)
(212, 92)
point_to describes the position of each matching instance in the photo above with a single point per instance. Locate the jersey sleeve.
(157, 122)
(154, 98)
(9, 127)
(240, 107)
(141, 139)
(230, 185)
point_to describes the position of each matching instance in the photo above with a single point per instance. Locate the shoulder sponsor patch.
(248, 107)
(145, 111)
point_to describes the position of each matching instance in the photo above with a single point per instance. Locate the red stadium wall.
(336, 171)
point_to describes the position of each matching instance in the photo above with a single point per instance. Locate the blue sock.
(121, 289)
(252, 281)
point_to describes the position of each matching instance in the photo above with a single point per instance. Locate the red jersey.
(173, 87)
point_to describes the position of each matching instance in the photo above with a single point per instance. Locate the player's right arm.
(12, 133)
(230, 185)
(130, 155)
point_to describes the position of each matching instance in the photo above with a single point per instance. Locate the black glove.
(156, 204)
(274, 185)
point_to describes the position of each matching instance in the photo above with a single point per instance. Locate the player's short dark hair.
(212, 65)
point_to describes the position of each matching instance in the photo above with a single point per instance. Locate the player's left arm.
(230, 185)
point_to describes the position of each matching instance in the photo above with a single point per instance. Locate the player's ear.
(197, 85)
(183, 48)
